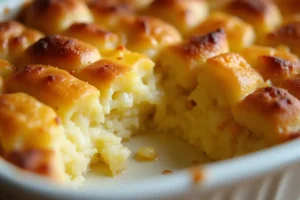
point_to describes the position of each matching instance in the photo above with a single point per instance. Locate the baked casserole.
(77, 77)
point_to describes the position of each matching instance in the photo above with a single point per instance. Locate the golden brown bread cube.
(276, 69)
(252, 53)
(226, 78)
(292, 84)
(143, 34)
(54, 16)
(271, 113)
(110, 16)
(148, 35)
(263, 15)
(273, 64)
(184, 15)
(31, 135)
(15, 38)
(239, 33)
(94, 35)
(57, 88)
(60, 51)
(287, 34)
(181, 61)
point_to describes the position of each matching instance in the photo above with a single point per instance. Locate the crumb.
(146, 153)
(166, 171)
(197, 174)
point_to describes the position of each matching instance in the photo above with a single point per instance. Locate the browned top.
(292, 84)
(53, 16)
(184, 15)
(52, 86)
(272, 112)
(109, 15)
(88, 29)
(204, 45)
(29, 134)
(277, 69)
(275, 103)
(287, 31)
(275, 98)
(144, 27)
(15, 38)
(103, 72)
(93, 34)
(60, 51)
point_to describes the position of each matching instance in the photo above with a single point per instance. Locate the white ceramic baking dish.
(142, 183)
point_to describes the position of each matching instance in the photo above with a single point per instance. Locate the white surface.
(232, 179)
(172, 155)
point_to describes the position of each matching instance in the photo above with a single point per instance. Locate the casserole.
(189, 182)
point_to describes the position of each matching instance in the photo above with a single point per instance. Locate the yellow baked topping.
(82, 75)
(239, 33)
(184, 15)
(15, 38)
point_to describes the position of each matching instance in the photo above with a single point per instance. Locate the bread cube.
(226, 79)
(110, 15)
(276, 69)
(31, 136)
(239, 33)
(148, 35)
(270, 112)
(252, 53)
(60, 51)
(184, 15)
(181, 61)
(94, 35)
(287, 34)
(263, 15)
(15, 38)
(54, 16)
